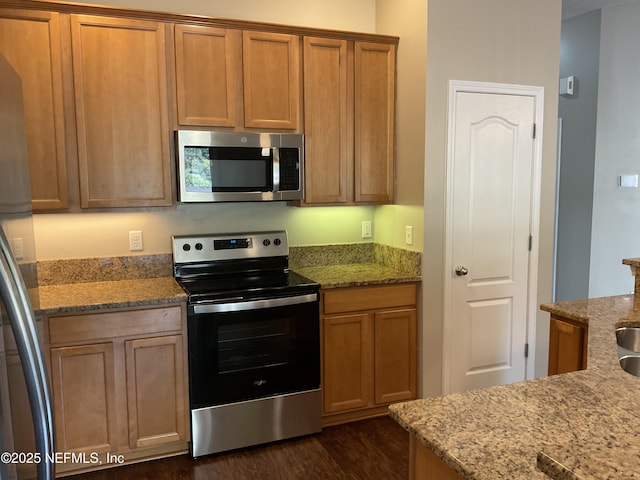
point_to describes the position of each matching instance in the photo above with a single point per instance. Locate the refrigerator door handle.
(22, 319)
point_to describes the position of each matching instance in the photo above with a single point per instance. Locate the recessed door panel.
(490, 334)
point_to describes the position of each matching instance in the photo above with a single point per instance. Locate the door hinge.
(530, 242)
(534, 130)
(526, 350)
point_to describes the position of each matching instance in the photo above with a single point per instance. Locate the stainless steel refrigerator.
(20, 348)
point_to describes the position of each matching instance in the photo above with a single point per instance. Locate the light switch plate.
(17, 245)
(366, 229)
(408, 235)
(628, 181)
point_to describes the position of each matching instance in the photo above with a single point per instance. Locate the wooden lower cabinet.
(567, 345)
(154, 371)
(425, 465)
(369, 350)
(84, 398)
(347, 362)
(119, 391)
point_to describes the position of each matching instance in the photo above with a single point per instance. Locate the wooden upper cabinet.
(374, 122)
(349, 119)
(328, 121)
(30, 41)
(119, 70)
(271, 72)
(208, 75)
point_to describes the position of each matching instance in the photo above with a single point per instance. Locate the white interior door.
(490, 226)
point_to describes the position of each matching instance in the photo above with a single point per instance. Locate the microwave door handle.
(276, 168)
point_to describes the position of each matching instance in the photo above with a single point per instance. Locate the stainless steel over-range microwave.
(239, 166)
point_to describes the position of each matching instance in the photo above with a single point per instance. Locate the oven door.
(241, 350)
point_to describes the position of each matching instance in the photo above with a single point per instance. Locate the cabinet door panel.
(155, 391)
(84, 397)
(374, 122)
(208, 75)
(30, 41)
(271, 66)
(347, 362)
(567, 347)
(328, 122)
(113, 324)
(121, 108)
(395, 356)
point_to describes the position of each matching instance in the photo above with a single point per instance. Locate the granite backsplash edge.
(88, 270)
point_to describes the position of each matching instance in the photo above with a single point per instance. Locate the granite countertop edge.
(93, 296)
(112, 294)
(355, 275)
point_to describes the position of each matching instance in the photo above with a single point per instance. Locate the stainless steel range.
(254, 341)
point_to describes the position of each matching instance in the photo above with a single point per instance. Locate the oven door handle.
(255, 304)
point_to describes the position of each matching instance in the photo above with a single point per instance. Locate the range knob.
(277, 242)
(198, 246)
(186, 247)
(266, 242)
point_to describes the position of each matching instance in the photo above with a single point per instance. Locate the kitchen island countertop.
(580, 425)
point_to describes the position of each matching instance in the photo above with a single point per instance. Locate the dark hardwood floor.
(369, 449)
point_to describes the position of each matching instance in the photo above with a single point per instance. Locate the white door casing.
(492, 215)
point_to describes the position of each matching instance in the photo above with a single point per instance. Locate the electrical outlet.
(366, 229)
(17, 245)
(135, 240)
(408, 235)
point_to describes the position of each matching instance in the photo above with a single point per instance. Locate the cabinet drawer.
(369, 298)
(79, 328)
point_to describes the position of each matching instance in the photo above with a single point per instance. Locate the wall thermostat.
(566, 85)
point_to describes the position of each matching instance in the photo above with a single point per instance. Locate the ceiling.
(573, 8)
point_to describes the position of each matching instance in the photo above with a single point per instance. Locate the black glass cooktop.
(248, 285)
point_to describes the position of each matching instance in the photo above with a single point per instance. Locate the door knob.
(461, 271)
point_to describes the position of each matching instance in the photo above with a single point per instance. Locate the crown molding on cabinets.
(87, 9)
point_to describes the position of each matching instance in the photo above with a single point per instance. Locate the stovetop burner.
(244, 265)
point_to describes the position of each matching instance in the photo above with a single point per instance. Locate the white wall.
(616, 212)
(353, 15)
(406, 19)
(105, 234)
(504, 41)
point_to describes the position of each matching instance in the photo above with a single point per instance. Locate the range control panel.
(234, 246)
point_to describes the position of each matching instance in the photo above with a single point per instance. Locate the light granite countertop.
(125, 282)
(580, 425)
(355, 275)
(78, 297)
(131, 293)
